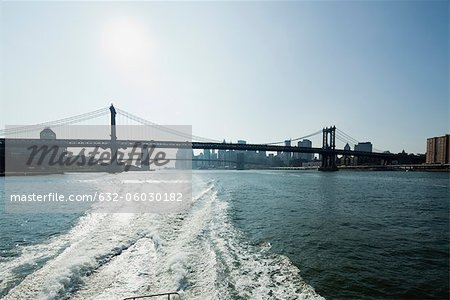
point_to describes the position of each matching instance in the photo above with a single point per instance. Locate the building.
(206, 157)
(305, 144)
(438, 150)
(363, 160)
(346, 159)
(21, 159)
(221, 158)
(287, 155)
(213, 155)
(184, 159)
(364, 147)
(48, 134)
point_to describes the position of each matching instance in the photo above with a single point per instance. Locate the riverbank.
(422, 168)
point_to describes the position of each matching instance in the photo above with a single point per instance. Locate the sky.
(258, 71)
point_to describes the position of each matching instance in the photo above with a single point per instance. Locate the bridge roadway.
(104, 144)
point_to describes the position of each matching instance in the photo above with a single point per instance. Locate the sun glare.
(126, 42)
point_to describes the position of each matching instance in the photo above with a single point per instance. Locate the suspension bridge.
(17, 137)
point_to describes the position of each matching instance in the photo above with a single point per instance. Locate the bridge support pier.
(329, 144)
(328, 163)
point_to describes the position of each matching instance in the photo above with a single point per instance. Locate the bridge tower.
(329, 145)
(113, 137)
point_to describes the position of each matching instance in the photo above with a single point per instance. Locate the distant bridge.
(328, 150)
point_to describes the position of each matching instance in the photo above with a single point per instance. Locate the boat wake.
(198, 253)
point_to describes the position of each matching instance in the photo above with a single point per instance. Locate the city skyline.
(260, 72)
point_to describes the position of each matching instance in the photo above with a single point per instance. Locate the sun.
(126, 42)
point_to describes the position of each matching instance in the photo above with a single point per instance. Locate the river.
(246, 235)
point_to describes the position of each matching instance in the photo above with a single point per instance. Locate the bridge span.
(124, 144)
(325, 152)
(328, 151)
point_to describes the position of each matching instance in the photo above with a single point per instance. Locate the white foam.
(94, 245)
(254, 272)
(197, 252)
(141, 181)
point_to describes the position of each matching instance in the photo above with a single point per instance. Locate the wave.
(197, 252)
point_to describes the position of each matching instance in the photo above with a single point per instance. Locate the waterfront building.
(306, 144)
(221, 157)
(184, 159)
(438, 150)
(346, 159)
(213, 155)
(47, 134)
(287, 155)
(231, 156)
(241, 156)
(364, 147)
(17, 157)
(207, 157)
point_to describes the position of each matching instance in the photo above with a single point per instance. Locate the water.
(248, 235)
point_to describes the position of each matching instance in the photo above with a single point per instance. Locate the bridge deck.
(189, 145)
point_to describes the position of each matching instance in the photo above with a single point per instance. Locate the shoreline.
(402, 168)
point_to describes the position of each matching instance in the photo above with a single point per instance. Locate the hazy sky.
(259, 71)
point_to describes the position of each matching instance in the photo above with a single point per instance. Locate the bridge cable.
(296, 139)
(164, 128)
(32, 128)
(56, 123)
(352, 140)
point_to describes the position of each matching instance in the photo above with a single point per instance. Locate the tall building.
(184, 159)
(213, 155)
(438, 150)
(364, 147)
(287, 155)
(306, 144)
(221, 158)
(207, 157)
(241, 156)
